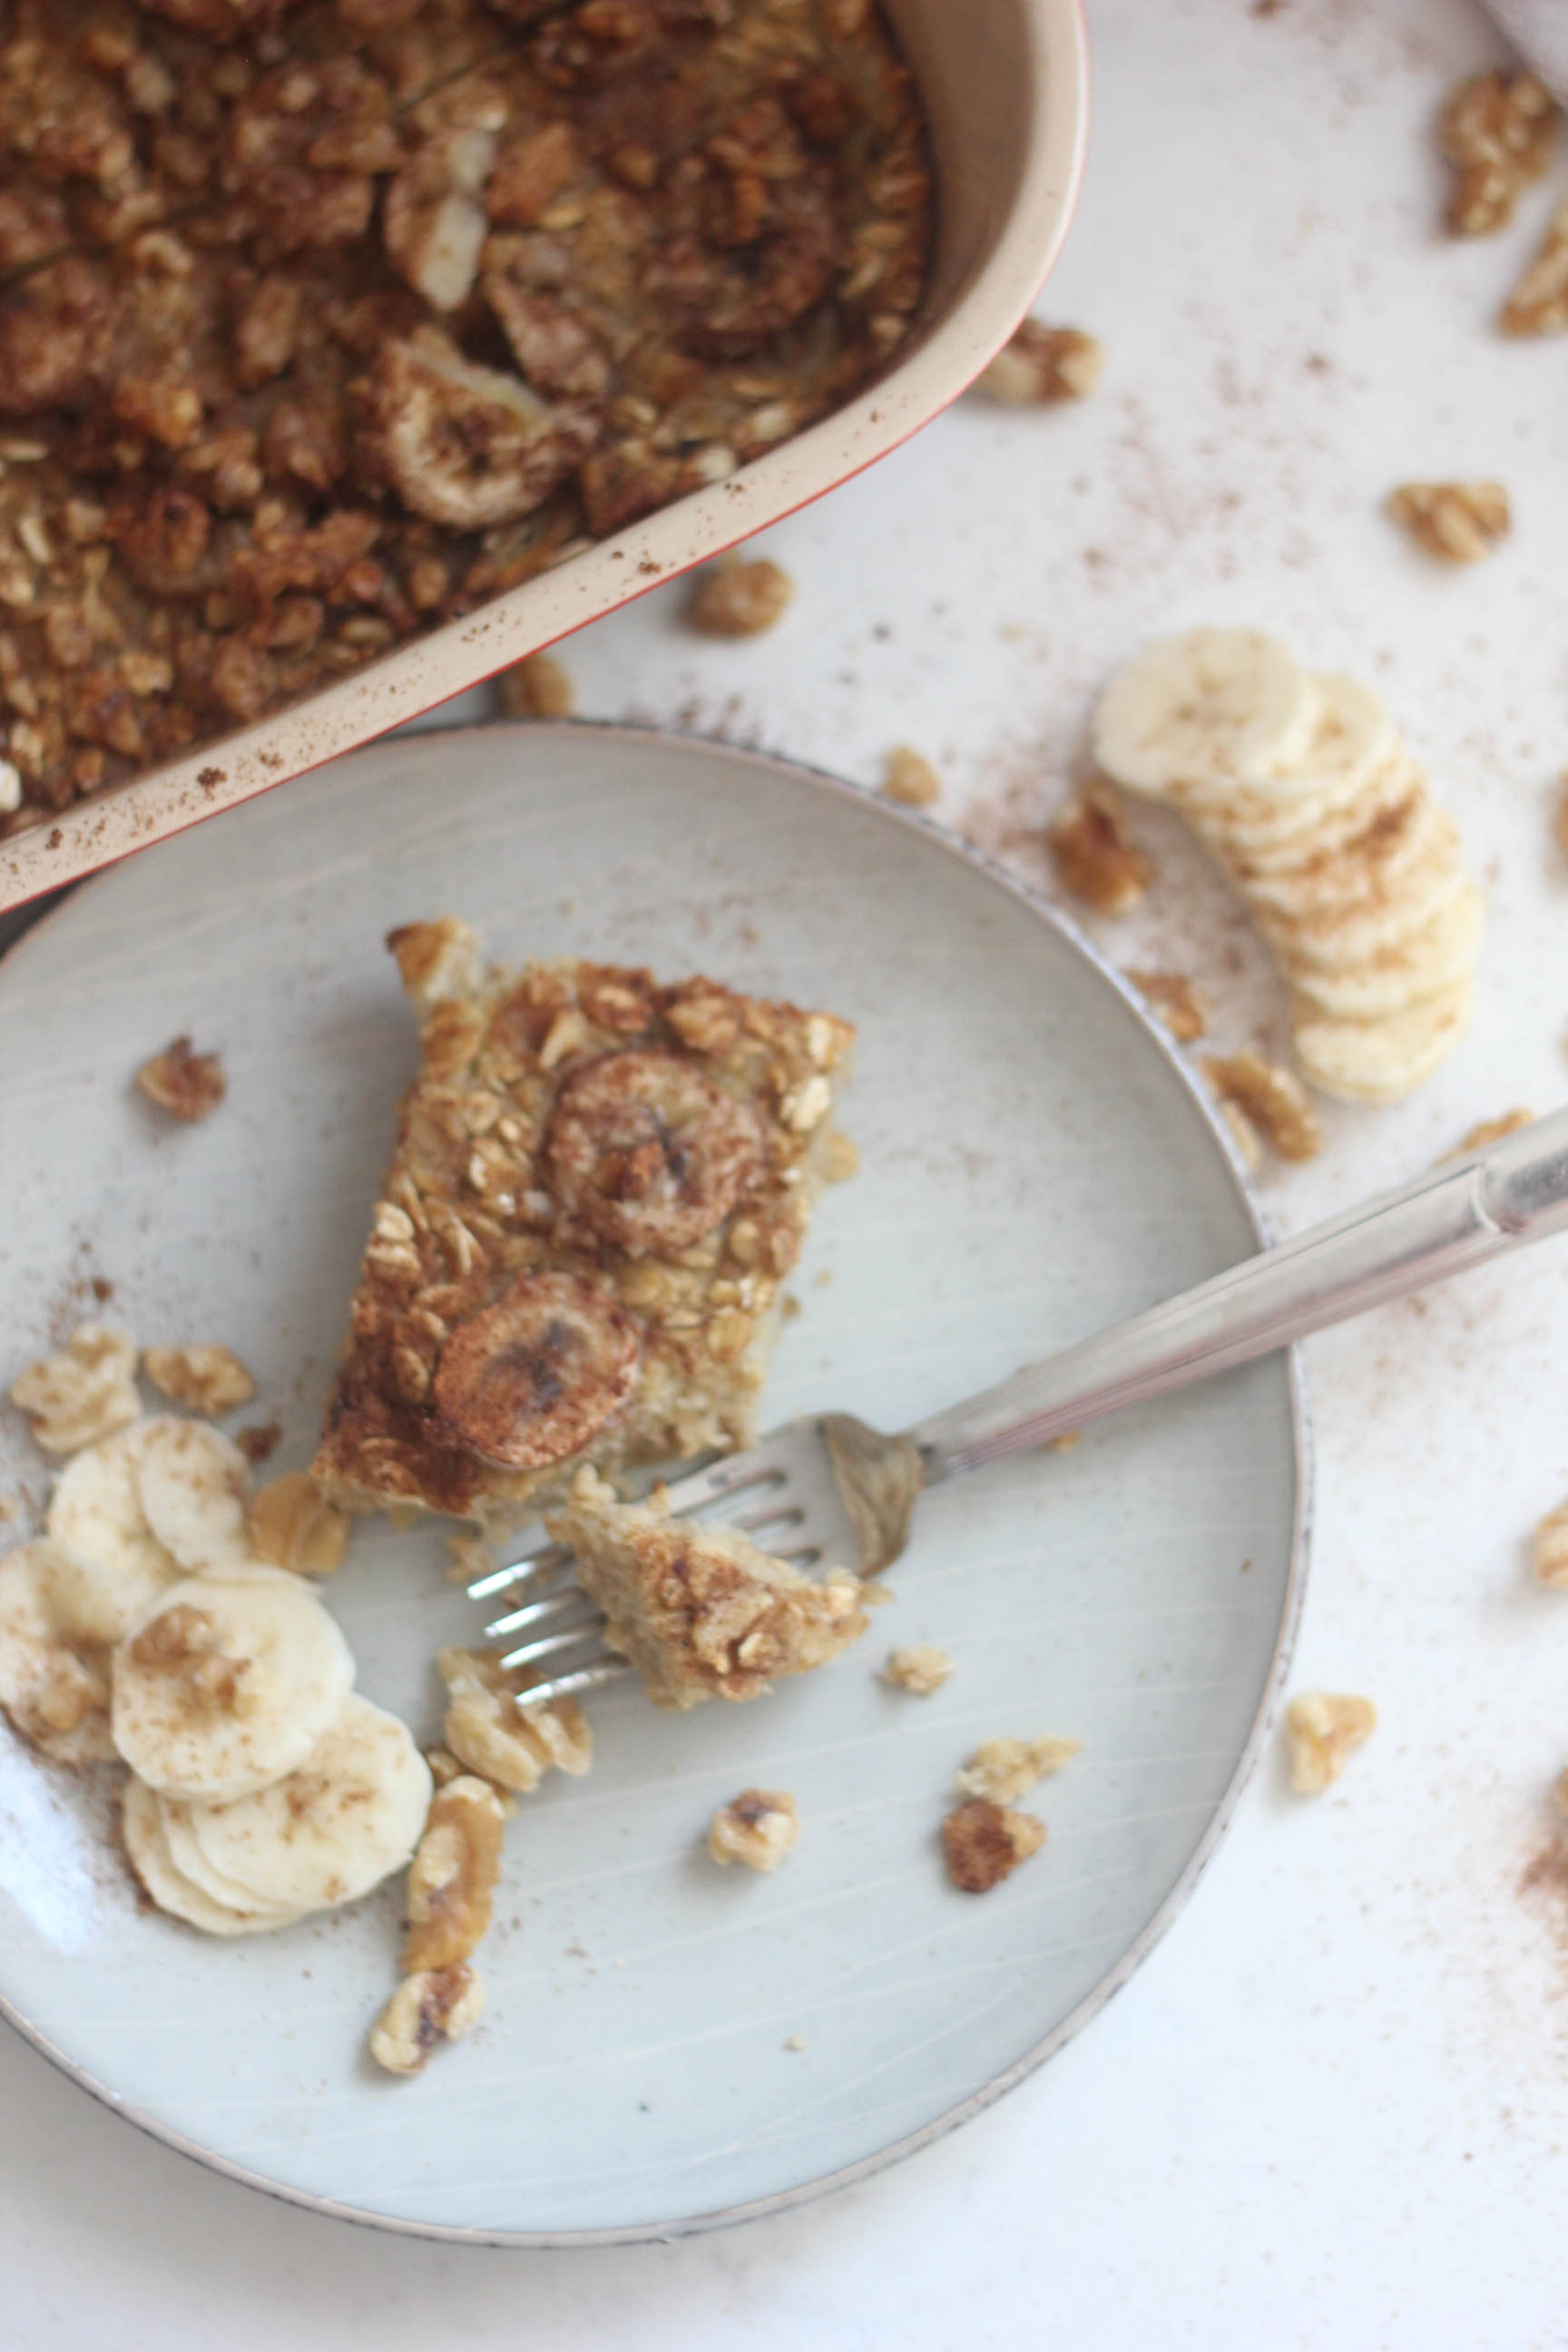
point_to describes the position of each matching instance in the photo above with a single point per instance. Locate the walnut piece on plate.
(920, 1667)
(759, 1827)
(205, 1379)
(1004, 1768)
(187, 1084)
(452, 1877)
(984, 1843)
(86, 1392)
(436, 2006)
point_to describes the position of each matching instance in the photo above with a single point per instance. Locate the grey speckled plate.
(1035, 1163)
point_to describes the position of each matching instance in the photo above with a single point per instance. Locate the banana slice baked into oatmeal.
(598, 1186)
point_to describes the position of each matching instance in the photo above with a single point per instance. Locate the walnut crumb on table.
(186, 1084)
(740, 600)
(1551, 1549)
(1094, 857)
(210, 1380)
(1489, 1131)
(984, 1843)
(1322, 1730)
(1539, 303)
(1497, 130)
(1041, 365)
(909, 777)
(539, 687)
(759, 1827)
(1270, 1098)
(922, 1668)
(1004, 1768)
(84, 1392)
(1176, 1001)
(1456, 521)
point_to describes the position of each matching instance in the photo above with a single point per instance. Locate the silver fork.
(829, 1488)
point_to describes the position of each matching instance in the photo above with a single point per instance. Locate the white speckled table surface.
(1334, 2103)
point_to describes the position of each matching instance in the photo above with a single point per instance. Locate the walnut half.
(758, 1827)
(1497, 130)
(1094, 854)
(452, 1878)
(436, 2006)
(1456, 521)
(492, 1730)
(84, 1392)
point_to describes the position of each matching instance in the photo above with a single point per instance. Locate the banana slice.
(1304, 828)
(1430, 960)
(228, 1684)
(113, 1567)
(531, 1380)
(54, 1691)
(1393, 854)
(1352, 736)
(147, 1844)
(192, 1864)
(192, 1482)
(1337, 939)
(1379, 1061)
(1210, 710)
(351, 1813)
(650, 1151)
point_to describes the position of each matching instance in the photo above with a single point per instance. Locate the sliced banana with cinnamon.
(228, 1684)
(350, 1814)
(1211, 710)
(650, 1151)
(54, 1687)
(112, 1566)
(192, 1482)
(143, 1824)
(531, 1379)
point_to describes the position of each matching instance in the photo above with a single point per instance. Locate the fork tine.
(550, 1558)
(540, 1612)
(605, 1668)
(550, 1645)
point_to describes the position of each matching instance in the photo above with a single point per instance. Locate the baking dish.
(1004, 87)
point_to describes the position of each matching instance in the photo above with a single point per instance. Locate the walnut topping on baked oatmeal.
(700, 1612)
(984, 1843)
(1497, 130)
(1270, 1098)
(493, 1731)
(1004, 1768)
(1322, 1730)
(84, 1392)
(920, 1667)
(740, 600)
(461, 284)
(759, 1827)
(210, 1380)
(1180, 1003)
(1457, 522)
(1041, 365)
(291, 1525)
(452, 1878)
(539, 687)
(1539, 303)
(187, 1084)
(436, 2006)
(1094, 854)
(599, 1184)
(909, 777)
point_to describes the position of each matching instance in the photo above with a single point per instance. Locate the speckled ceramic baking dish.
(1005, 85)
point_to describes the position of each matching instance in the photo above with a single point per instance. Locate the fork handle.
(1449, 1220)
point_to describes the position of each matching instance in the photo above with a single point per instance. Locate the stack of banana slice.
(1300, 786)
(141, 1625)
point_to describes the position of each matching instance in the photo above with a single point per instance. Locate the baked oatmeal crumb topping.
(759, 1827)
(920, 1667)
(186, 1084)
(1322, 1730)
(734, 598)
(1457, 522)
(205, 1379)
(1272, 1098)
(1094, 854)
(907, 776)
(1041, 365)
(984, 1843)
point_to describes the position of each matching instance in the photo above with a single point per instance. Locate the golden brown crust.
(475, 1209)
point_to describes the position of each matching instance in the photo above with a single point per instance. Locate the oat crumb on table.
(1271, 1099)
(1539, 303)
(1322, 1730)
(759, 1827)
(984, 1843)
(1094, 857)
(186, 1084)
(1041, 365)
(207, 1380)
(740, 600)
(1176, 1001)
(1456, 521)
(1004, 1768)
(1497, 130)
(922, 1668)
(909, 777)
(539, 687)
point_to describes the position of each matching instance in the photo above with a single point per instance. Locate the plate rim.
(446, 742)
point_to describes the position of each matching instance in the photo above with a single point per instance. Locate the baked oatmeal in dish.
(323, 323)
(701, 1611)
(599, 1184)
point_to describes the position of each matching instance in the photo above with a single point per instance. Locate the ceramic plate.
(1036, 1164)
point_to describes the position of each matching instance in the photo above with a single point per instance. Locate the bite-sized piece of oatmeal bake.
(599, 1184)
(701, 1611)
